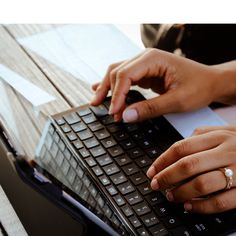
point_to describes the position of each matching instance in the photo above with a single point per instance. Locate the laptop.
(87, 163)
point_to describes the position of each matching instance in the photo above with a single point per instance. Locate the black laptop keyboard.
(105, 164)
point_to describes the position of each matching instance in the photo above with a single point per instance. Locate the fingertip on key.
(151, 172)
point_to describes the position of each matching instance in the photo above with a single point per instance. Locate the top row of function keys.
(84, 111)
(71, 118)
(100, 110)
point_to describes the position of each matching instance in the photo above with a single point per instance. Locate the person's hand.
(184, 84)
(190, 170)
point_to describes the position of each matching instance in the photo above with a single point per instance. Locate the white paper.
(8, 217)
(84, 50)
(186, 123)
(32, 93)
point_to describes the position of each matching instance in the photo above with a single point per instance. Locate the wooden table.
(18, 112)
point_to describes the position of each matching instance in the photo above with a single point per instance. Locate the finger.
(206, 129)
(104, 86)
(95, 86)
(183, 148)
(202, 185)
(218, 203)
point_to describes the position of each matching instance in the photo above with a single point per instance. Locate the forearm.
(226, 80)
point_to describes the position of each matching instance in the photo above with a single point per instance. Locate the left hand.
(197, 161)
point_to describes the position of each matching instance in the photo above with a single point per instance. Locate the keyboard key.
(143, 232)
(115, 151)
(100, 110)
(130, 169)
(97, 170)
(91, 142)
(71, 176)
(85, 134)
(113, 128)
(199, 228)
(61, 145)
(141, 208)
(145, 143)
(104, 160)
(73, 163)
(84, 152)
(90, 118)
(155, 198)
(159, 230)
(111, 169)
(78, 127)
(104, 180)
(108, 142)
(134, 198)
(154, 152)
(112, 190)
(97, 151)
(71, 118)
(136, 152)
(145, 188)
(128, 144)
(101, 134)
(143, 161)
(161, 210)
(122, 160)
(83, 111)
(118, 178)
(67, 154)
(131, 127)
(65, 167)
(66, 128)
(171, 222)
(59, 158)
(150, 219)
(135, 221)
(106, 120)
(127, 210)
(95, 126)
(137, 135)
(90, 161)
(71, 136)
(121, 136)
(78, 144)
(126, 188)
(119, 200)
(138, 178)
(60, 121)
(180, 231)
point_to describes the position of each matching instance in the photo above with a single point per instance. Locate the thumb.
(151, 108)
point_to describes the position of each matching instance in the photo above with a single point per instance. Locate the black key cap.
(90, 161)
(141, 208)
(97, 170)
(111, 169)
(161, 210)
(71, 136)
(113, 128)
(145, 143)
(170, 221)
(106, 120)
(71, 118)
(136, 152)
(112, 190)
(154, 152)
(90, 118)
(138, 178)
(78, 127)
(138, 135)
(199, 228)
(128, 144)
(122, 160)
(181, 230)
(78, 144)
(145, 188)
(108, 142)
(85, 134)
(130, 169)
(143, 161)
(97, 151)
(60, 121)
(84, 152)
(155, 198)
(131, 127)
(101, 134)
(84, 111)
(121, 136)
(100, 110)
(134, 198)
(104, 160)
(104, 180)
(135, 221)
(126, 188)
(115, 151)
(118, 178)
(143, 232)
(65, 128)
(159, 230)
(92, 142)
(150, 219)
(127, 210)
(95, 126)
(119, 200)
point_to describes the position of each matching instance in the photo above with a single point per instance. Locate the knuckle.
(201, 186)
(151, 52)
(189, 165)
(164, 181)
(111, 67)
(121, 74)
(221, 204)
(180, 147)
(149, 109)
(198, 130)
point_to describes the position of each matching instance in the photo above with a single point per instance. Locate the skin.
(189, 169)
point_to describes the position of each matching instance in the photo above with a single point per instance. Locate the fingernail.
(151, 172)
(130, 115)
(110, 112)
(154, 184)
(188, 206)
(169, 196)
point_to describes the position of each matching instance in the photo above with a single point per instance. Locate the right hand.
(184, 85)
